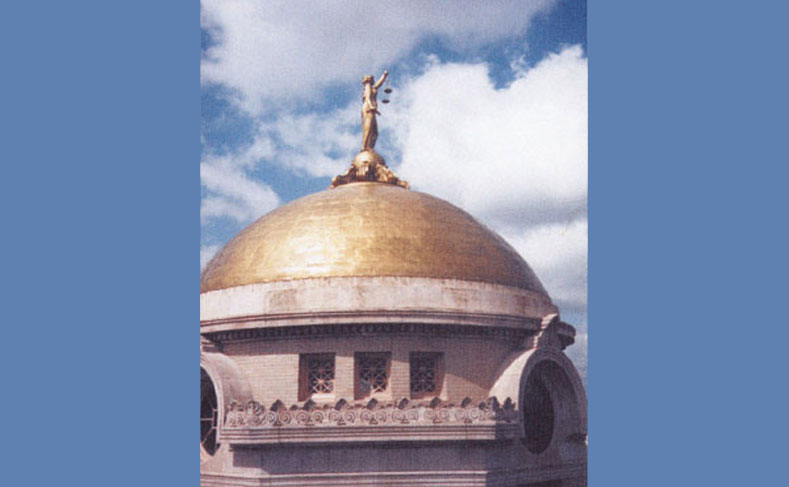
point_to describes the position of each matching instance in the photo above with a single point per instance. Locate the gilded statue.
(368, 165)
(370, 110)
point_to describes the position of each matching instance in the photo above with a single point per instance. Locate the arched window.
(209, 414)
(538, 411)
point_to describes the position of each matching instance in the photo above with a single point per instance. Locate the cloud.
(558, 254)
(284, 49)
(514, 153)
(307, 144)
(230, 190)
(315, 144)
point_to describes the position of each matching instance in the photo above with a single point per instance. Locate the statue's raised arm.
(381, 80)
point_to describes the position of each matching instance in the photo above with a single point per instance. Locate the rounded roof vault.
(367, 230)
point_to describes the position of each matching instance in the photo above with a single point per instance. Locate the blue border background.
(101, 187)
(100, 124)
(687, 266)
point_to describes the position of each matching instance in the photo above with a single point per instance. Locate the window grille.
(372, 373)
(320, 374)
(424, 373)
(209, 412)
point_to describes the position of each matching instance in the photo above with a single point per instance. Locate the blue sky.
(488, 112)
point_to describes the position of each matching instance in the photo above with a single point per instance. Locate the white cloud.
(285, 49)
(521, 149)
(558, 254)
(319, 145)
(311, 144)
(231, 192)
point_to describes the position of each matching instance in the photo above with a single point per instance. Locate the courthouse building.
(370, 334)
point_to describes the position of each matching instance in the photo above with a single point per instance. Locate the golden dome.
(366, 230)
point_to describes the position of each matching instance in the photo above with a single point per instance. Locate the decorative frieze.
(372, 413)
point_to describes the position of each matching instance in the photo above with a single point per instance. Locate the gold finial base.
(368, 165)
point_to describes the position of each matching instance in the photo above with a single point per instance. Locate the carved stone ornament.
(547, 336)
(368, 165)
(342, 413)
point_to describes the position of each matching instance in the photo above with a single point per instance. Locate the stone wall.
(272, 367)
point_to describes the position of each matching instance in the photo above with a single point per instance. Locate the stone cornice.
(364, 329)
(370, 316)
